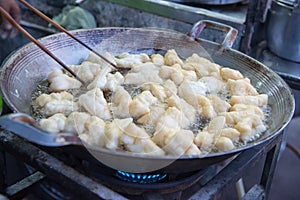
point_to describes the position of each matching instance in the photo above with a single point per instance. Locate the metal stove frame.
(49, 167)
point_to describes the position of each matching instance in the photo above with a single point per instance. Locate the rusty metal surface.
(21, 188)
(55, 169)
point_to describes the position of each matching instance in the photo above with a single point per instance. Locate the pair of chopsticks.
(40, 45)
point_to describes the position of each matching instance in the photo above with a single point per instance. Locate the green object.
(75, 17)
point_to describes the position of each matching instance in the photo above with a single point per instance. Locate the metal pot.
(27, 67)
(283, 29)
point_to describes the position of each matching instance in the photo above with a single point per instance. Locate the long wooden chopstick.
(35, 41)
(59, 27)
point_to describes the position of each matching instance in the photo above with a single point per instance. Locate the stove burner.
(140, 178)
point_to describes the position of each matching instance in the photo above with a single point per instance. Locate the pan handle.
(25, 126)
(229, 39)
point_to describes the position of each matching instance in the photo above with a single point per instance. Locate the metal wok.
(24, 69)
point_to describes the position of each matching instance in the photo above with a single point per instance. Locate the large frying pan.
(28, 66)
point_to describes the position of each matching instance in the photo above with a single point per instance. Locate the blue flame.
(140, 178)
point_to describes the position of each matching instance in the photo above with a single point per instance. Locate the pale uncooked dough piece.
(151, 118)
(121, 100)
(218, 104)
(249, 127)
(213, 85)
(140, 105)
(95, 134)
(53, 103)
(176, 74)
(188, 111)
(113, 81)
(127, 61)
(170, 87)
(175, 142)
(231, 133)
(43, 99)
(86, 71)
(202, 66)
(92, 57)
(114, 131)
(75, 123)
(157, 59)
(205, 141)
(241, 87)
(136, 140)
(257, 100)
(156, 89)
(60, 106)
(54, 124)
(100, 79)
(189, 89)
(59, 81)
(228, 73)
(171, 118)
(171, 58)
(205, 107)
(240, 111)
(94, 102)
(224, 144)
(144, 73)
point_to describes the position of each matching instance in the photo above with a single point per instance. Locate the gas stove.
(68, 173)
(63, 173)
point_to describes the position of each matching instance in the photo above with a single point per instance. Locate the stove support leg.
(269, 168)
(261, 191)
(2, 171)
